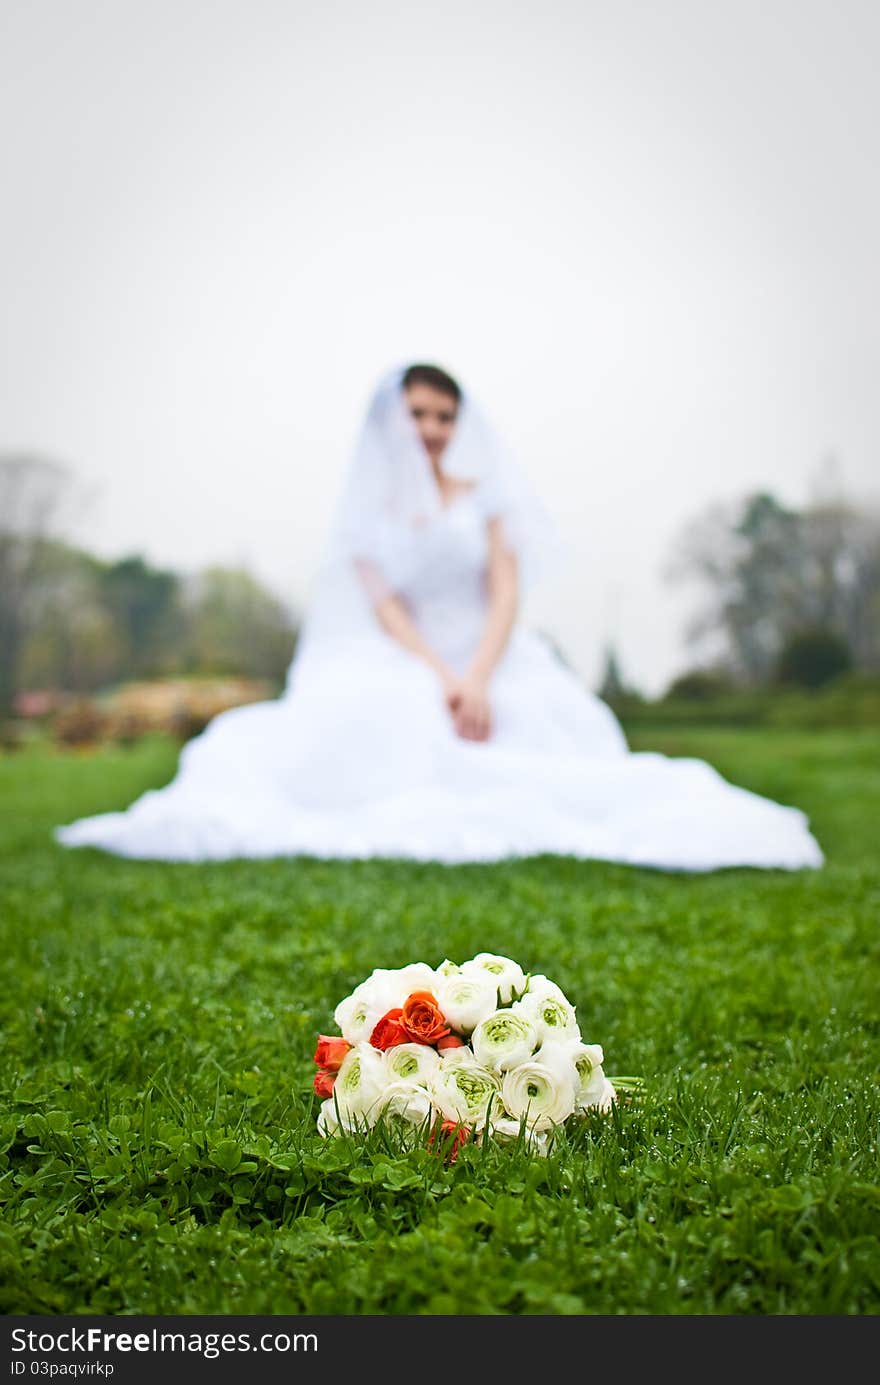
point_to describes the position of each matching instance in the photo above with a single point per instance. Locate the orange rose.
(450, 1041)
(422, 1019)
(389, 1031)
(449, 1139)
(323, 1082)
(330, 1052)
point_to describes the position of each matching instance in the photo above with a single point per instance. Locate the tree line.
(75, 622)
(785, 596)
(774, 579)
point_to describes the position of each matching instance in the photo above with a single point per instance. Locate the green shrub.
(812, 658)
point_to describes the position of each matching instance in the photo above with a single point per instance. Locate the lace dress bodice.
(445, 587)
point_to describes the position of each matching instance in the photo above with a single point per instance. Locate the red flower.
(330, 1052)
(389, 1031)
(450, 1041)
(423, 1019)
(323, 1083)
(449, 1139)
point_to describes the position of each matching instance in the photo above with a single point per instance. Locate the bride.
(419, 718)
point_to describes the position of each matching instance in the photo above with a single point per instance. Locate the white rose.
(384, 989)
(608, 1097)
(504, 1039)
(509, 1130)
(447, 968)
(543, 1094)
(410, 1063)
(601, 1095)
(394, 984)
(542, 985)
(552, 1015)
(417, 976)
(358, 1015)
(455, 1057)
(328, 1121)
(508, 976)
(408, 1100)
(560, 1057)
(590, 1079)
(466, 999)
(359, 1083)
(331, 1120)
(464, 1092)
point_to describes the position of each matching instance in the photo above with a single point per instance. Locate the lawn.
(159, 1145)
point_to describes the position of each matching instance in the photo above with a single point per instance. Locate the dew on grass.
(798, 1092)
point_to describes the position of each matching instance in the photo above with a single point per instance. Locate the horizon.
(663, 293)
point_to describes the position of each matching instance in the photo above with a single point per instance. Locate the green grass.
(159, 1148)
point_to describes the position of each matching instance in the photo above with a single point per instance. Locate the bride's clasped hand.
(433, 414)
(467, 699)
(421, 718)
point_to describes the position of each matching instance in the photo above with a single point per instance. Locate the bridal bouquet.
(470, 1050)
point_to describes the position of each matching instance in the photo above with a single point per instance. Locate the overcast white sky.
(648, 233)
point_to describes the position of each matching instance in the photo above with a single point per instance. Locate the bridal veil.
(390, 492)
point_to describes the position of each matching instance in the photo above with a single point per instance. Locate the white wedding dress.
(359, 758)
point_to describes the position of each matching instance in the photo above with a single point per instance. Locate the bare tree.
(842, 547)
(745, 557)
(769, 573)
(612, 685)
(35, 495)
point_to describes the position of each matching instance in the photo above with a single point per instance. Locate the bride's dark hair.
(435, 377)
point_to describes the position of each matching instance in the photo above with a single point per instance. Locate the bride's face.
(434, 413)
